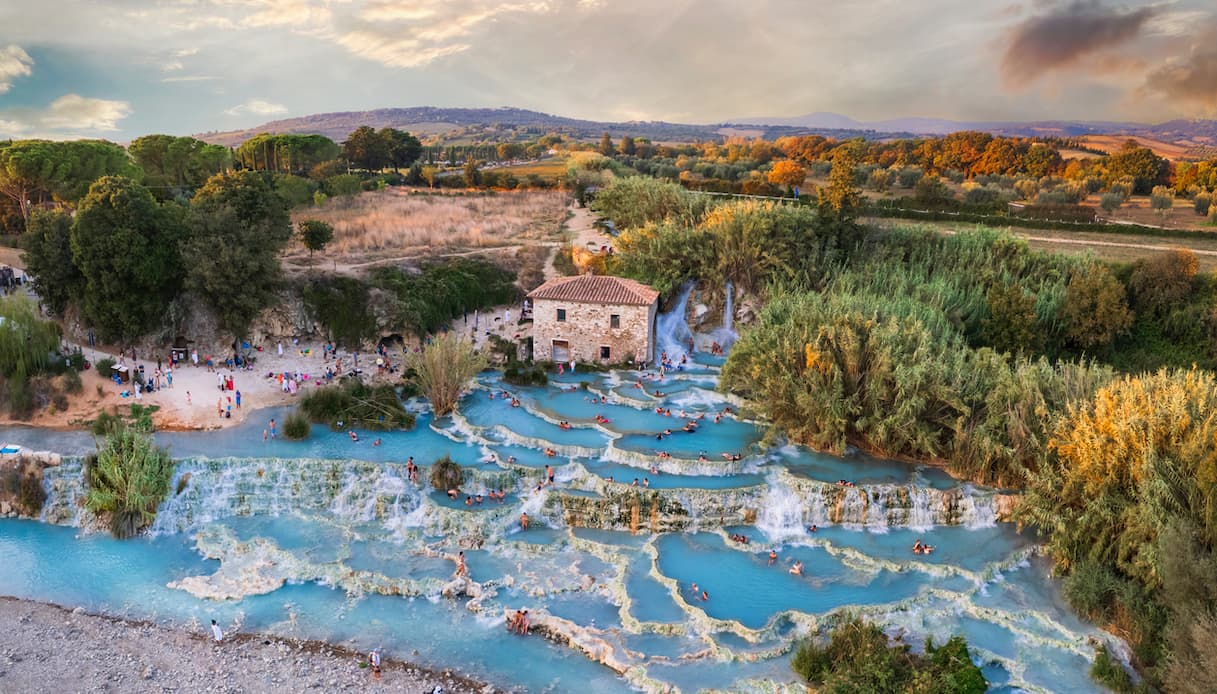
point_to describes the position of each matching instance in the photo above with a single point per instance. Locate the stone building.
(593, 318)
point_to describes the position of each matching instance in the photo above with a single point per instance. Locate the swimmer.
(549, 474)
(549, 452)
(468, 501)
(773, 556)
(375, 443)
(461, 569)
(812, 528)
(515, 402)
(646, 482)
(705, 597)
(477, 499)
(453, 493)
(797, 569)
(353, 435)
(635, 484)
(694, 588)
(523, 521)
(511, 459)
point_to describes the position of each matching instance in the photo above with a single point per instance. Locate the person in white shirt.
(215, 631)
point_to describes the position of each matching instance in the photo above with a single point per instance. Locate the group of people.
(740, 538)
(920, 547)
(519, 622)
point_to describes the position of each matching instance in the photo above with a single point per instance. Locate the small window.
(561, 315)
(604, 352)
(614, 321)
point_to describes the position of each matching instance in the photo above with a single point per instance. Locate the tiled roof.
(596, 289)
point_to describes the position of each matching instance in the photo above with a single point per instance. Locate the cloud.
(1066, 35)
(14, 63)
(257, 107)
(416, 35)
(75, 112)
(1192, 79)
(69, 114)
(188, 78)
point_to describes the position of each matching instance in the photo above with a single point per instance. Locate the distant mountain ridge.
(431, 120)
(1196, 131)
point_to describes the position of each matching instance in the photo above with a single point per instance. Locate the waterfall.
(672, 334)
(781, 512)
(726, 335)
(64, 487)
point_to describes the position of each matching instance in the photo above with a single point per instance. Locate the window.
(604, 352)
(561, 315)
(614, 321)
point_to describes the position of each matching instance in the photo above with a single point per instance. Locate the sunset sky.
(121, 68)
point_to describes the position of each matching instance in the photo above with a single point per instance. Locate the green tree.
(26, 345)
(931, 191)
(239, 226)
(1162, 199)
(1137, 163)
(315, 234)
(367, 149)
(48, 259)
(1095, 309)
(34, 172)
(404, 148)
(126, 247)
(1111, 201)
(173, 165)
(606, 146)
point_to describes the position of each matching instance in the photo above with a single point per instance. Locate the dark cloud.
(1065, 35)
(1191, 80)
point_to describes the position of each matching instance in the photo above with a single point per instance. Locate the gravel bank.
(51, 649)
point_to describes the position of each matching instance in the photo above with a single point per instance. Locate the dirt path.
(44, 648)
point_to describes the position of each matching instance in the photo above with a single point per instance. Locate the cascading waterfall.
(781, 513)
(726, 336)
(672, 334)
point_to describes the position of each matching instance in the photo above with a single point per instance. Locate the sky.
(122, 68)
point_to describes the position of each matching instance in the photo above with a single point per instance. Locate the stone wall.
(588, 327)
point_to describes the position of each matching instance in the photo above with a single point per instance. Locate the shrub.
(127, 480)
(354, 404)
(446, 474)
(104, 366)
(858, 658)
(296, 426)
(521, 374)
(442, 368)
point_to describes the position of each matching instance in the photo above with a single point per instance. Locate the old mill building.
(594, 318)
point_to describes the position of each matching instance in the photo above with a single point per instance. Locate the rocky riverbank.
(49, 648)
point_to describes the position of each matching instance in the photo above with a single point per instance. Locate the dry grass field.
(403, 224)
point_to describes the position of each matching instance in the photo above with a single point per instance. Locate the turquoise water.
(362, 554)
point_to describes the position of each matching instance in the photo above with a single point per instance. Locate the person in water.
(797, 569)
(549, 474)
(523, 521)
(461, 569)
(453, 494)
(353, 435)
(375, 443)
(773, 556)
(705, 597)
(812, 528)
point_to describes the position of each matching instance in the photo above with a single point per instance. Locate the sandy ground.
(44, 648)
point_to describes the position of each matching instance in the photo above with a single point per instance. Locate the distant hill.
(428, 120)
(1192, 132)
(1196, 138)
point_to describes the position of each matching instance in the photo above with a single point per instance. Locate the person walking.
(215, 632)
